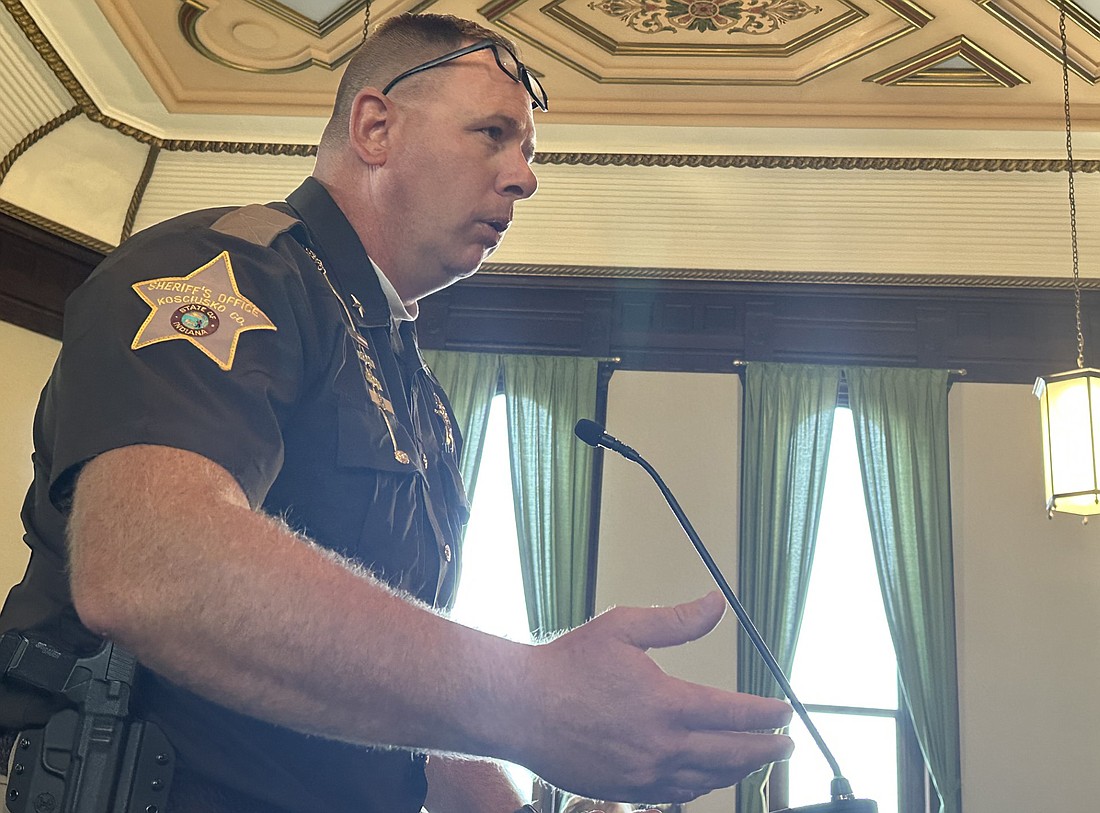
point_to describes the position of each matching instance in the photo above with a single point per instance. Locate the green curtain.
(900, 417)
(787, 427)
(552, 482)
(551, 472)
(470, 381)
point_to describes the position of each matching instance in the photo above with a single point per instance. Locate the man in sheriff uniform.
(246, 475)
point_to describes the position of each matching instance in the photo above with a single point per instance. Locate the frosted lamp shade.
(1069, 407)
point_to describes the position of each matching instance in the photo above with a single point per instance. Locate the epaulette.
(255, 223)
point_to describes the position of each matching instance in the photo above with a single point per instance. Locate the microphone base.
(836, 806)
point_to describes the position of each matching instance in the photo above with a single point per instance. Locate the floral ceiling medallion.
(733, 17)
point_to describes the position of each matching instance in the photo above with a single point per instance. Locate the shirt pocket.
(368, 437)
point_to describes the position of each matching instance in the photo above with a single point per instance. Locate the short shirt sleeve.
(184, 337)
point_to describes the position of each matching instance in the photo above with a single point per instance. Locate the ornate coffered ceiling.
(872, 139)
(787, 62)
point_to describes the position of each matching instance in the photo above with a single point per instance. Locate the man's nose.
(520, 181)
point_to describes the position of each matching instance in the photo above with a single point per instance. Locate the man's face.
(458, 162)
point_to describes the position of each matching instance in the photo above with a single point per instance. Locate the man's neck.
(379, 246)
(401, 311)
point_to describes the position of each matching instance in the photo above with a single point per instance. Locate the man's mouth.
(494, 233)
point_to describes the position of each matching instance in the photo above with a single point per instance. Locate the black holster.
(90, 757)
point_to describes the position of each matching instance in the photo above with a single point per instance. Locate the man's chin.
(451, 276)
(471, 268)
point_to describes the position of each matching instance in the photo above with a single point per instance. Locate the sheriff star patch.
(204, 308)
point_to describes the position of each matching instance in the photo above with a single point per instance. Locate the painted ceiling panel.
(184, 181)
(31, 95)
(81, 175)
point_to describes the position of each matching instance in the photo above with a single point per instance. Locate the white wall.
(1027, 588)
(25, 360)
(1028, 608)
(687, 426)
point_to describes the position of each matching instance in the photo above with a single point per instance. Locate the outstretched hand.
(612, 725)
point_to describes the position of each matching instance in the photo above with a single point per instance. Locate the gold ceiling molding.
(800, 277)
(909, 11)
(317, 29)
(912, 18)
(50, 56)
(139, 193)
(90, 109)
(198, 145)
(754, 17)
(604, 159)
(55, 228)
(923, 70)
(1046, 38)
(556, 11)
(27, 141)
(192, 10)
(242, 147)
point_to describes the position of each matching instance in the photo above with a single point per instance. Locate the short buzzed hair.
(397, 44)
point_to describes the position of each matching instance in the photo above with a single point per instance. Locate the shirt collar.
(398, 309)
(341, 249)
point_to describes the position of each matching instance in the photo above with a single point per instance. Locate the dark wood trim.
(777, 790)
(914, 782)
(996, 335)
(38, 271)
(605, 370)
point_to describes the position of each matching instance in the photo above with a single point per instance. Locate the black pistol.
(89, 757)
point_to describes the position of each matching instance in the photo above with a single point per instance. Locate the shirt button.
(424, 460)
(447, 552)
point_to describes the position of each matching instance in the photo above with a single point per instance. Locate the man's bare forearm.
(169, 560)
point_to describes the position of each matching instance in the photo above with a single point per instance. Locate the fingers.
(712, 760)
(678, 624)
(721, 756)
(658, 737)
(718, 709)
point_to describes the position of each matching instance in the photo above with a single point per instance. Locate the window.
(845, 670)
(490, 590)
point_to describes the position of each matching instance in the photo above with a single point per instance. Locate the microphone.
(840, 790)
(592, 434)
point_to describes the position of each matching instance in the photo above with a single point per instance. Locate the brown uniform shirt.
(217, 333)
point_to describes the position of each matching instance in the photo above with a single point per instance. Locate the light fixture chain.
(366, 18)
(1072, 195)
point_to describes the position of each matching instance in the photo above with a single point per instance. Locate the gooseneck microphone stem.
(740, 611)
(593, 434)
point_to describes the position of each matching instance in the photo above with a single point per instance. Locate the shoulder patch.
(255, 223)
(205, 308)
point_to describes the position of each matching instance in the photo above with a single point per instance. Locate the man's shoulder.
(254, 235)
(255, 223)
(241, 253)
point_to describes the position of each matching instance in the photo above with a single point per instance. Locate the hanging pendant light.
(1069, 406)
(1069, 402)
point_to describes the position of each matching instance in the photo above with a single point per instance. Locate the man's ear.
(369, 126)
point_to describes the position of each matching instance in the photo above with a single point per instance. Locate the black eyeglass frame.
(531, 83)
